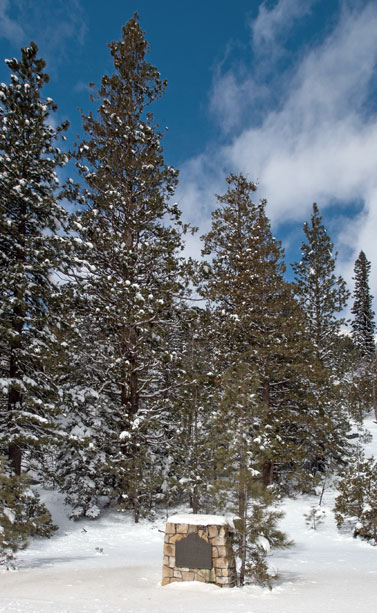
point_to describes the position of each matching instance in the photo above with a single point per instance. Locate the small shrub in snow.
(22, 515)
(356, 504)
(315, 516)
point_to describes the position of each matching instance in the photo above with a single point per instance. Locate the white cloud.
(272, 24)
(240, 94)
(50, 24)
(318, 143)
(9, 28)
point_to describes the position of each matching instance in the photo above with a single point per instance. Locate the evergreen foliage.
(258, 534)
(361, 376)
(363, 325)
(260, 323)
(31, 253)
(135, 397)
(356, 504)
(321, 293)
(128, 280)
(315, 516)
(190, 453)
(239, 439)
(22, 515)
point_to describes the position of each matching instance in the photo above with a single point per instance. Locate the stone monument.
(199, 548)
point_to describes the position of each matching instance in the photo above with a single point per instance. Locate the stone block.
(220, 563)
(213, 531)
(218, 540)
(203, 535)
(176, 537)
(188, 575)
(170, 528)
(171, 562)
(168, 580)
(181, 528)
(167, 572)
(206, 575)
(169, 550)
(178, 574)
(215, 552)
(222, 550)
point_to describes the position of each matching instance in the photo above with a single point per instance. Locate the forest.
(133, 377)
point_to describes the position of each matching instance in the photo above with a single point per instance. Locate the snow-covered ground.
(114, 565)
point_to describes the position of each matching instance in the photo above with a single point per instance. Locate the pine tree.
(260, 323)
(361, 375)
(22, 515)
(363, 325)
(321, 293)
(129, 237)
(357, 501)
(31, 253)
(239, 437)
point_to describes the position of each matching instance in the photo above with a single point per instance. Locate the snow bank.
(114, 566)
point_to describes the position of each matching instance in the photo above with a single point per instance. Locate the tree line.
(117, 388)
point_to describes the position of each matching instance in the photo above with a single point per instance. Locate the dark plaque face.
(193, 552)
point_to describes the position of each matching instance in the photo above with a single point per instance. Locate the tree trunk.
(268, 473)
(15, 397)
(15, 456)
(268, 468)
(17, 324)
(195, 491)
(242, 510)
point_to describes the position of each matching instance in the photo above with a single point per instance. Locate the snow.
(113, 565)
(200, 520)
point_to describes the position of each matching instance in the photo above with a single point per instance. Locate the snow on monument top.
(200, 520)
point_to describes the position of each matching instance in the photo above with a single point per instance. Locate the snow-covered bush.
(315, 516)
(21, 515)
(356, 504)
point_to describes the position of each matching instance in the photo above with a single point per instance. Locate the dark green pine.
(32, 253)
(129, 239)
(322, 294)
(363, 324)
(22, 515)
(259, 323)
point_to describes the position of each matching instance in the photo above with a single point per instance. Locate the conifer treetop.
(363, 324)
(321, 293)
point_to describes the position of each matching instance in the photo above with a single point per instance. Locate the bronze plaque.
(193, 552)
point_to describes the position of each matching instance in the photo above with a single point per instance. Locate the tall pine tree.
(129, 237)
(259, 323)
(31, 251)
(362, 377)
(363, 325)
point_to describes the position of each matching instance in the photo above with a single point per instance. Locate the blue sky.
(282, 90)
